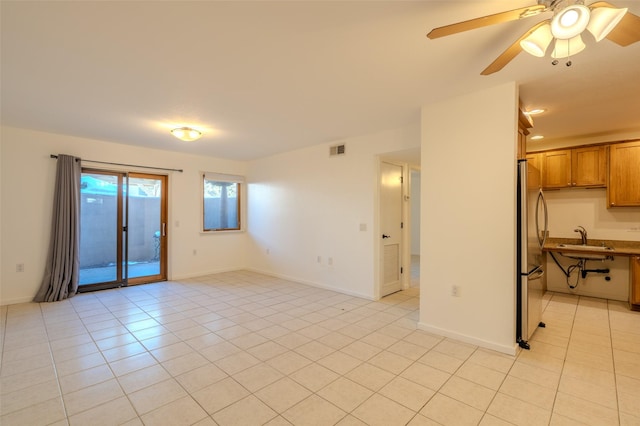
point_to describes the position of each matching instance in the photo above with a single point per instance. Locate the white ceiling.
(266, 77)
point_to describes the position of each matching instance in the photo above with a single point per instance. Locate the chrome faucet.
(583, 234)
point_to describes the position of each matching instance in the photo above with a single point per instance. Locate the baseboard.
(505, 349)
(203, 273)
(311, 283)
(16, 301)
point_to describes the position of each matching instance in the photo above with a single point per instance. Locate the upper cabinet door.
(556, 169)
(624, 174)
(589, 166)
(534, 162)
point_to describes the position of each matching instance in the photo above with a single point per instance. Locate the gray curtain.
(61, 273)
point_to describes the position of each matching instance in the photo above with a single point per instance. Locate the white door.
(390, 227)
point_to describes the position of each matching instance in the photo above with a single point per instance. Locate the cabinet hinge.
(401, 270)
(401, 179)
(401, 225)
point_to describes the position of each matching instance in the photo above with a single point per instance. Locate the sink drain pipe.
(581, 266)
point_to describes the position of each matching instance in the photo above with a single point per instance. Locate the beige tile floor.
(242, 349)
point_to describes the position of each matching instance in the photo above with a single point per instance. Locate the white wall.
(28, 175)
(569, 208)
(468, 217)
(305, 204)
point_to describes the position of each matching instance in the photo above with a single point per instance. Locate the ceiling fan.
(570, 19)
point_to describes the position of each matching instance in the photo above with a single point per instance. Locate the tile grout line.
(613, 358)
(557, 390)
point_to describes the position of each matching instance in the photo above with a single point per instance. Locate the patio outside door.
(123, 237)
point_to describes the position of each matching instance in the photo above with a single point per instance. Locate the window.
(221, 202)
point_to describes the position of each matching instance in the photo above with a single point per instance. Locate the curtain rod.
(127, 165)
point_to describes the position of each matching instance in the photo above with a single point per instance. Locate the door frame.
(164, 225)
(405, 238)
(122, 278)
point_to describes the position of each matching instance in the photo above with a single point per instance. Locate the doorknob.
(386, 236)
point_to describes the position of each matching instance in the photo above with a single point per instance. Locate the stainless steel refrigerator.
(532, 224)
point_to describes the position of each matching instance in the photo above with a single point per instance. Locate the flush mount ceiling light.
(537, 137)
(535, 111)
(186, 134)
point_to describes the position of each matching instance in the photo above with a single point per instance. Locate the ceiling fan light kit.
(568, 48)
(571, 18)
(604, 20)
(570, 21)
(537, 42)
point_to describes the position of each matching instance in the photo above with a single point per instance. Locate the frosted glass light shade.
(603, 20)
(538, 41)
(570, 21)
(186, 134)
(566, 48)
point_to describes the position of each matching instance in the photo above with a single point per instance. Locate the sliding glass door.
(101, 225)
(147, 243)
(123, 237)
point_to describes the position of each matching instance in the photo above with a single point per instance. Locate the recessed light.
(537, 137)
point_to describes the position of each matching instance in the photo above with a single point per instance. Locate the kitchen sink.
(578, 251)
(584, 247)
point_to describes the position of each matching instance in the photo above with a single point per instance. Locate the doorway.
(391, 225)
(401, 201)
(123, 233)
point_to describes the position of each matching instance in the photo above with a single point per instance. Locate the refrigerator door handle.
(542, 239)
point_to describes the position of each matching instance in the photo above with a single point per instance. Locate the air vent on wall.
(337, 150)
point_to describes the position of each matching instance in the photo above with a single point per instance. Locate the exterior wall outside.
(97, 241)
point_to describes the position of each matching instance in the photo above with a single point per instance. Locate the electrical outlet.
(319, 259)
(195, 252)
(455, 291)
(330, 261)
(268, 251)
(19, 267)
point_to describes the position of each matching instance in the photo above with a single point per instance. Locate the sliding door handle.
(164, 229)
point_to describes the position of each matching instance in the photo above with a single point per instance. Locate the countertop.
(620, 248)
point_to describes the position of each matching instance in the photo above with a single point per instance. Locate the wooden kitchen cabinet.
(524, 124)
(589, 166)
(535, 173)
(556, 169)
(624, 174)
(578, 167)
(634, 276)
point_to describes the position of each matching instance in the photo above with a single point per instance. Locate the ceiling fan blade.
(628, 29)
(485, 21)
(511, 51)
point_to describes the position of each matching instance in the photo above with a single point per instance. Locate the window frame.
(222, 177)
